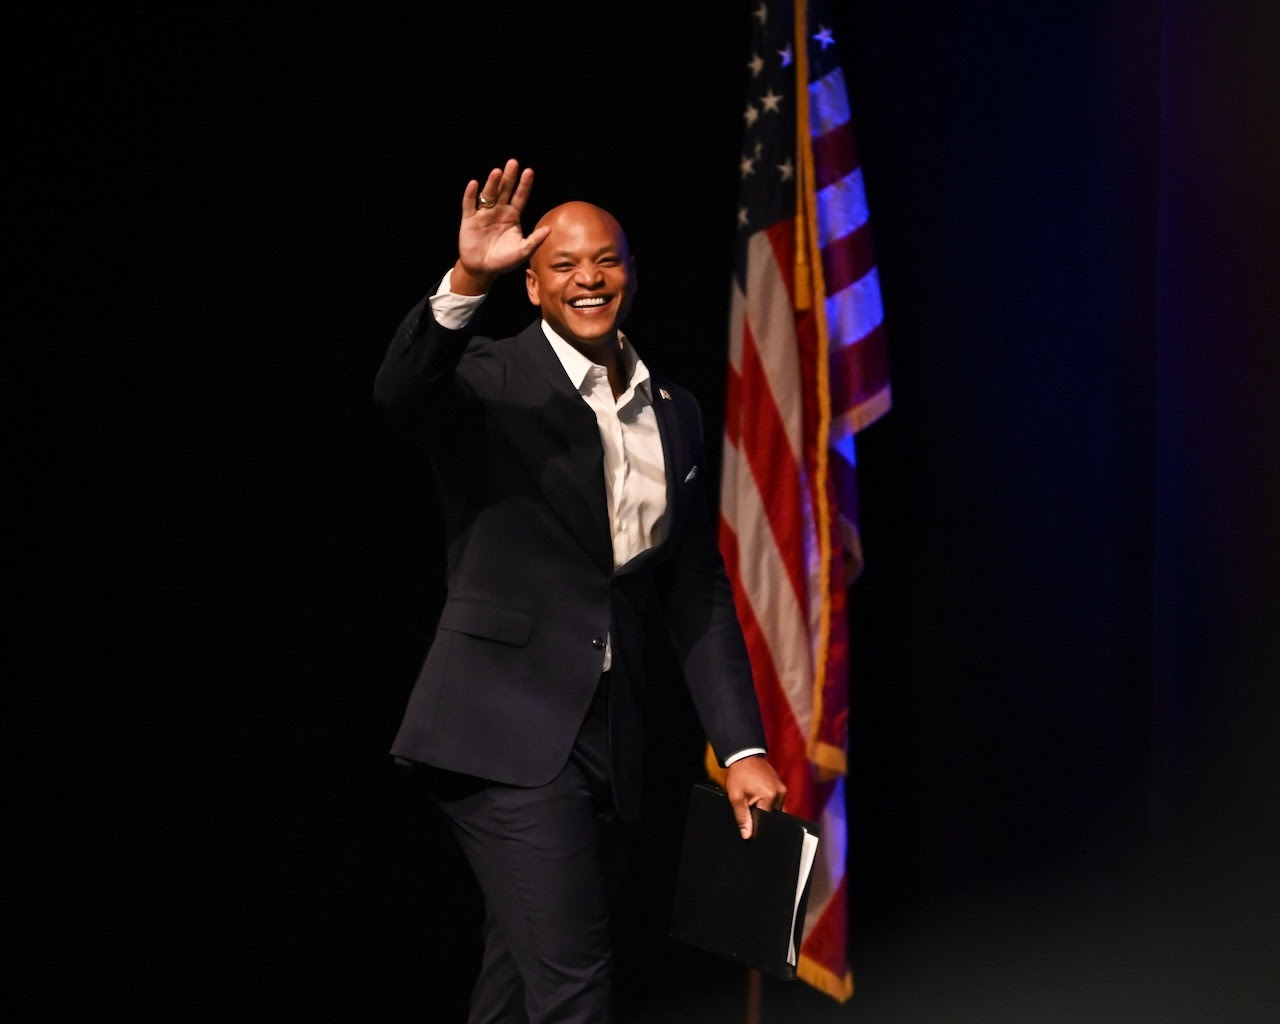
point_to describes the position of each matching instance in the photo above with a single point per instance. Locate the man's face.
(581, 276)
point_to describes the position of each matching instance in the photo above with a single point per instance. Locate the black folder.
(743, 898)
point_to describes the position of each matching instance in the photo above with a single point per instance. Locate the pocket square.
(692, 474)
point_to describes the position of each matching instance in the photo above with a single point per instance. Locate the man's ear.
(531, 286)
(631, 290)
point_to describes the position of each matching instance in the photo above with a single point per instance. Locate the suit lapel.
(573, 481)
(673, 442)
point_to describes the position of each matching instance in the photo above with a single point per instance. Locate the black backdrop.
(1063, 696)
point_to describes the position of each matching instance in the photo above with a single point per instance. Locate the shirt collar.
(577, 366)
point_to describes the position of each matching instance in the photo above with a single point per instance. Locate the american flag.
(807, 370)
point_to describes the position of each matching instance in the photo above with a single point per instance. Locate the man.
(568, 479)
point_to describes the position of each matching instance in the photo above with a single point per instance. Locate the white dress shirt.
(634, 465)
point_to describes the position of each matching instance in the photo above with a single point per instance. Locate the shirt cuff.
(748, 752)
(451, 310)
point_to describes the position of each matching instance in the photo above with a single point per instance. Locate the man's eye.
(609, 261)
(562, 266)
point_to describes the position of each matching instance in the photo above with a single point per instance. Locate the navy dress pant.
(548, 860)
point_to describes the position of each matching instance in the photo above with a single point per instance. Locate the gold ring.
(486, 202)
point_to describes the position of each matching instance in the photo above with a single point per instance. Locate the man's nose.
(589, 275)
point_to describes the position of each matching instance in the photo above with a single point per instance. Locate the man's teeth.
(582, 303)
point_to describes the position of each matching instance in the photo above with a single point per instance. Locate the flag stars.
(786, 170)
(751, 115)
(756, 64)
(824, 36)
(761, 14)
(770, 100)
(786, 56)
(742, 216)
(747, 166)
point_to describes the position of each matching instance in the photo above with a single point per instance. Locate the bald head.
(577, 216)
(581, 276)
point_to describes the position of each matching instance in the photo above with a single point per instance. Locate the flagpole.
(755, 996)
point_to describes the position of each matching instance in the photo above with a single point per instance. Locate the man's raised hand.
(490, 240)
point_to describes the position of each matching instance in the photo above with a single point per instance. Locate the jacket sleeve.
(697, 601)
(419, 386)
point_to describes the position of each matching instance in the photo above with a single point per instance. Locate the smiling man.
(583, 279)
(568, 476)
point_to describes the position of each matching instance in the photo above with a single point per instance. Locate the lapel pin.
(665, 393)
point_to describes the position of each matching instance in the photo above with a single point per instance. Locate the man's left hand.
(752, 782)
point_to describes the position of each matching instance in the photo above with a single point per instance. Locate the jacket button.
(597, 642)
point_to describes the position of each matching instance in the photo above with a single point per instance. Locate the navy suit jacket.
(532, 589)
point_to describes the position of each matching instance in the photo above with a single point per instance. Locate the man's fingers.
(469, 198)
(505, 184)
(535, 239)
(742, 812)
(507, 180)
(523, 187)
(489, 191)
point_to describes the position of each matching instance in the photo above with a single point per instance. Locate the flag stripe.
(767, 314)
(847, 259)
(765, 590)
(786, 741)
(763, 442)
(842, 207)
(737, 320)
(826, 932)
(835, 154)
(859, 371)
(828, 103)
(828, 866)
(855, 311)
